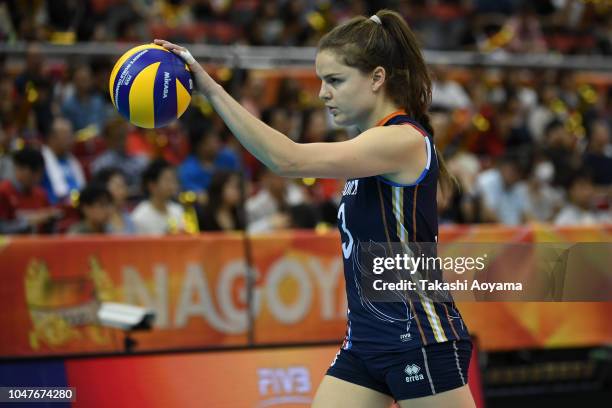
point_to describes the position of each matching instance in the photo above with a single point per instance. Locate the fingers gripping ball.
(150, 86)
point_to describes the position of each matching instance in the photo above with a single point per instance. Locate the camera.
(125, 316)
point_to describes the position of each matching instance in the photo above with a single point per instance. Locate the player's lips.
(332, 109)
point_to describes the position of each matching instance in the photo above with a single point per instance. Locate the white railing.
(239, 56)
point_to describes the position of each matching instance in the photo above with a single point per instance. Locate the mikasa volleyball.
(150, 86)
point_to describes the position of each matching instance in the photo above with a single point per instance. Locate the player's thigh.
(336, 393)
(457, 398)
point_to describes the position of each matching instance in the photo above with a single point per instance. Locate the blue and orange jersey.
(374, 209)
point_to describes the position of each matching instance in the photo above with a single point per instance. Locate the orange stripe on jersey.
(389, 116)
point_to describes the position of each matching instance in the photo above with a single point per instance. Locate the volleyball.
(150, 86)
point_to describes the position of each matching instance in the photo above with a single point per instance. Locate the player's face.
(345, 90)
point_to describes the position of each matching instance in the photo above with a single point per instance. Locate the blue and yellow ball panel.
(150, 86)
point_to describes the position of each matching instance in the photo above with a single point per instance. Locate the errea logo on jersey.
(413, 370)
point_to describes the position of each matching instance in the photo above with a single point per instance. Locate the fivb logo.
(413, 370)
(289, 385)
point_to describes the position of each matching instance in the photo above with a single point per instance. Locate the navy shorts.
(409, 374)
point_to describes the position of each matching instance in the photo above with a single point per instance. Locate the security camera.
(126, 317)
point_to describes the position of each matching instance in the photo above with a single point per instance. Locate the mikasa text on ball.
(150, 86)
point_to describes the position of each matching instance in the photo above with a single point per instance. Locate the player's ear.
(378, 78)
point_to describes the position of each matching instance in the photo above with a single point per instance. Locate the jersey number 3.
(347, 247)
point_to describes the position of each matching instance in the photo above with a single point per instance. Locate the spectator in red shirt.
(24, 206)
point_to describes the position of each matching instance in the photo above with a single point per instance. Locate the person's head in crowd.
(542, 171)
(600, 137)
(288, 94)
(278, 118)
(224, 190)
(439, 73)
(547, 94)
(101, 68)
(61, 136)
(273, 183)
(581, 190)
(82, 79)
(29, 167)
(130, 29)
(115, 133)
(510, 169)
(34, 59)
(95, 205)
(479, 94)
(114, 181)
(315, 126)
(221, 213)
(253, 87)
(557, 136)
(566, 78)
(512, 105)
(205, 143)
(160, 182)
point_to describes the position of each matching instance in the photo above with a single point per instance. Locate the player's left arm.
(385, 150)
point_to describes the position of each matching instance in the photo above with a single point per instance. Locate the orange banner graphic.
(51, 288)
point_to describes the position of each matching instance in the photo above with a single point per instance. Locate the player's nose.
(324, 92)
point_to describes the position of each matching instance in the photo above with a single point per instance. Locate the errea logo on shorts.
(413, 370)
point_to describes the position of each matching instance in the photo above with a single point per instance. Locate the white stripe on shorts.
(433, 390)
(457, 361)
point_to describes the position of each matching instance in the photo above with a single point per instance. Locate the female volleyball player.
(373, 76)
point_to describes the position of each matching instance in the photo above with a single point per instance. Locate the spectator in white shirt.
(158, 214)
(447, 93)
(544, 200)
(580, 209)
(270, 209)
(503, 192)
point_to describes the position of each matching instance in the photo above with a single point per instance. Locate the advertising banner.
(51, 289)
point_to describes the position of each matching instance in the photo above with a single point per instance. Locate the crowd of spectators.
(568, 26)
(525, 145)
(535, 146)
